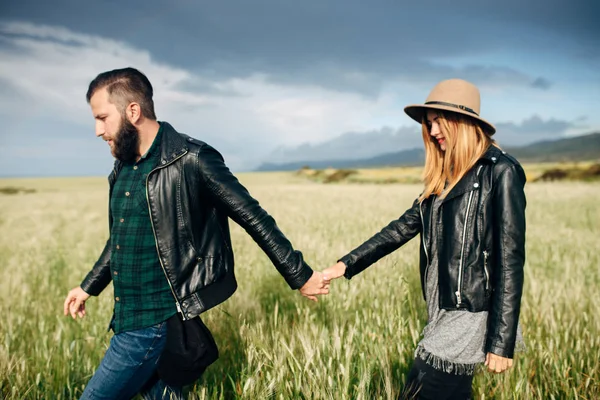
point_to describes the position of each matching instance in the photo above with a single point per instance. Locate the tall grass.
(357, 343)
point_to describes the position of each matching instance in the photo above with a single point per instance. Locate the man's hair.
(125, 86)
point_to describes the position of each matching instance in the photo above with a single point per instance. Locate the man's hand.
(316, 285)
(75, 303)
(497, 364)
(334, 272)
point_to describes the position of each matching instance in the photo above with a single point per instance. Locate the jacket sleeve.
(231, 196)
(99, 277)
(509, 241)
(390, 238)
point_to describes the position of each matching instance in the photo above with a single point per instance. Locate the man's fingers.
(81, 310)
(67, 304)
(75, 307)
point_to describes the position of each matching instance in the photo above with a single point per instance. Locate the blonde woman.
(471, 221)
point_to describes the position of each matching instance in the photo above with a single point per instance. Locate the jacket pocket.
(211, 267)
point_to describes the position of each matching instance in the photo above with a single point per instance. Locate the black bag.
(189, 350)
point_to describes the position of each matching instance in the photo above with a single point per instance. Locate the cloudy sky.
(255, 77)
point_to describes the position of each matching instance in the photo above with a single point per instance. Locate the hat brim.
(416, 112)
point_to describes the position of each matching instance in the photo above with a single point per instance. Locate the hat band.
(443, 103)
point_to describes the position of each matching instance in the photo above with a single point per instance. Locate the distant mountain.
(578, 148)
(350, 145)
(405, 157)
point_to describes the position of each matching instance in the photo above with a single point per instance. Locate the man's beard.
(126, 142)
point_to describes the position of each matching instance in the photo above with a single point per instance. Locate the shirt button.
(127, 194)
(118, 247)
(122, 220)
(116, 273)
(476, 185)
(117, 299)
(493, 158)
(135, 167)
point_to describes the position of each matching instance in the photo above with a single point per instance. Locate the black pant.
(427, 383)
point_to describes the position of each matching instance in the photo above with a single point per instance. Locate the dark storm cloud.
(343, 45)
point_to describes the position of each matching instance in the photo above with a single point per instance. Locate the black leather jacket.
(480, 247)
(191, 193)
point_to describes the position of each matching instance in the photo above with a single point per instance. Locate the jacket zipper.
(179, 310)
(462, 249)
(424, 247)
(487, 275)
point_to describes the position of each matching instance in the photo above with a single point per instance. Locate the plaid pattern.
(142, 294)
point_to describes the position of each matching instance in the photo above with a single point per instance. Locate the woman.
(471, 217)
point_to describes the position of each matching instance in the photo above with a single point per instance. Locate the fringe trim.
(446, 366)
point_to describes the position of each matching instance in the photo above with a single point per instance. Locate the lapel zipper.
(462, 249)
(179, 310)
(425, 248)
(487, 275)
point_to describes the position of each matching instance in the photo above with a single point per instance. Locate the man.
(169, 249)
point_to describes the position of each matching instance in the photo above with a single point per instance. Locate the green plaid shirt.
(142, 294)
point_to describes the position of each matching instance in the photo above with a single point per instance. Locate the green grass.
(357, 343)
(412, 175)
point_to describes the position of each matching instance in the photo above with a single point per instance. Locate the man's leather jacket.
(191, 194)
(480, 247)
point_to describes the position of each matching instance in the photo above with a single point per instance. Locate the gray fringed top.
(453, 341)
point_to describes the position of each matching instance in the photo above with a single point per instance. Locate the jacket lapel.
(468, 183)
(172, 145)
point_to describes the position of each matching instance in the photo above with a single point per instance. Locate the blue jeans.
(129, 367)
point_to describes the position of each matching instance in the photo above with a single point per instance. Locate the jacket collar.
(492, 154)
(470, 181)
(172, 146)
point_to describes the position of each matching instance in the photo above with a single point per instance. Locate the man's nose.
(99, 129)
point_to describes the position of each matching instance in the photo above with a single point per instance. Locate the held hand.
(497, 364)
(316, 285)
(334, 272)
(75, 303)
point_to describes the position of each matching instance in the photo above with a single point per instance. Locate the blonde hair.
(465, 143)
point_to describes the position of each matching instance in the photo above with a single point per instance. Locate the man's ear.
(133, 112)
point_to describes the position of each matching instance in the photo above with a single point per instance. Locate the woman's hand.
(496, 363)
(334, 272)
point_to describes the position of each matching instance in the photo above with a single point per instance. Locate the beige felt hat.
(454, 95)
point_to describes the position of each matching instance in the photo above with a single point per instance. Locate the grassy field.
(357, 343)
(412, 175)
